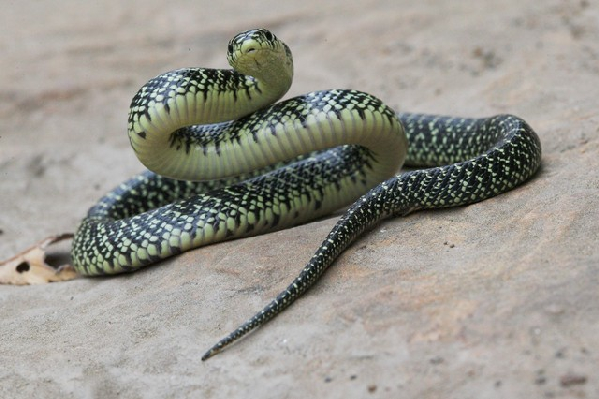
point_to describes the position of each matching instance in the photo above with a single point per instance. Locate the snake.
(226, 160)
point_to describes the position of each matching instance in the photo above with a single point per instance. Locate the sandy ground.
(495, 300)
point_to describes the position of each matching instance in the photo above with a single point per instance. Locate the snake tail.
(510, 154)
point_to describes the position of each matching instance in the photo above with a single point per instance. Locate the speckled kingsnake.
(350, 141)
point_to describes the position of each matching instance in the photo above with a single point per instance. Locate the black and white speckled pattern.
(351, 142)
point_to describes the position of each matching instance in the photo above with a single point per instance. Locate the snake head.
(259, 53)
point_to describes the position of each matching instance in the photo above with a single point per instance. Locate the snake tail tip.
(216, 349)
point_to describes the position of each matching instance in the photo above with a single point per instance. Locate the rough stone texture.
(495, 300)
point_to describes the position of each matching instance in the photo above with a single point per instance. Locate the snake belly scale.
(226, 161)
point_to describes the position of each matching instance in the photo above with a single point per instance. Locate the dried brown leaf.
(29, 266)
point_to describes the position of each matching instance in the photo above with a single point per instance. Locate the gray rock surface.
(495, 300)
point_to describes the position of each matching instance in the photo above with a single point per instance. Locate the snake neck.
(177, 129)
(187, 97)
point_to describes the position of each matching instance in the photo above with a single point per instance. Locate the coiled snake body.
(259, 167)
